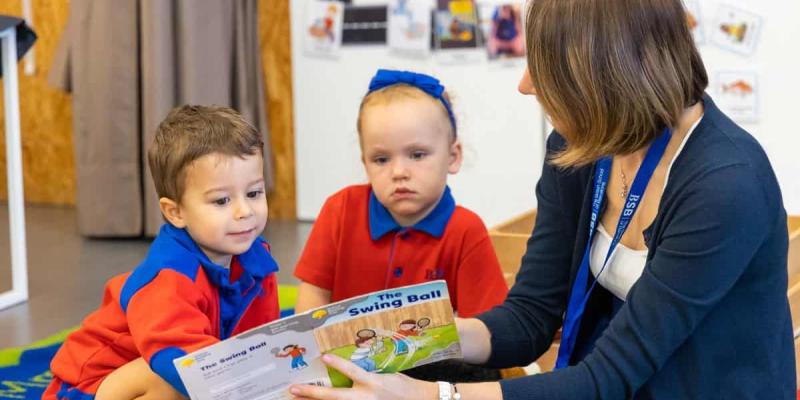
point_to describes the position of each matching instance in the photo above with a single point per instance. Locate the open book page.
(385, 331)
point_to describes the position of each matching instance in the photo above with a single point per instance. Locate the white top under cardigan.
(625, 265)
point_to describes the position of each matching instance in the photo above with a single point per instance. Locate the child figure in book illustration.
(296, 353)
(408, 329)
(368, 344)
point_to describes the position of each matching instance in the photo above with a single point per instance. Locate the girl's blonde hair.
(611, 74)
(402, 91)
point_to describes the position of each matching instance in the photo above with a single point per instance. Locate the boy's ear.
(456, 156)
(171, 211)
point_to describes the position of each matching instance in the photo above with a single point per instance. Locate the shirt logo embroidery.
(433, 274)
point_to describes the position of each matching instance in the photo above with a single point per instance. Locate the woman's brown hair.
(611, 74)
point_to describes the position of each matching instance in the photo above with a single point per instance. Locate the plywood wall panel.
(275, 39)
(46, 114)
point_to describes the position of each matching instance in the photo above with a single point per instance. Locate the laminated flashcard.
(323, 29)
(364, 25)
(695, 21)
(504, 33)
(736, 93)
(736, 30)
(456, 24)
(409, 26)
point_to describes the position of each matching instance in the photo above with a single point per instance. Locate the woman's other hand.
(476, 340)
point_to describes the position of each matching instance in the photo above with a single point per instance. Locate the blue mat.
(30, 376)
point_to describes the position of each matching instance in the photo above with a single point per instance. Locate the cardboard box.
(794, 284)
(794, 272)
(794, 244)
(510, 240)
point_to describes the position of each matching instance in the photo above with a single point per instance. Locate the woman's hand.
(367, 386)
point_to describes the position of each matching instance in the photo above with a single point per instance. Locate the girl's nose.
(399, 170)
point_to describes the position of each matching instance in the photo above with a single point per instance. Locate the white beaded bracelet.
(456, 395)
(444, 391)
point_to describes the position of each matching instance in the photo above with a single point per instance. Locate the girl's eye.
(255, 193)
(418, 155)
(222, 201)
(380, 160)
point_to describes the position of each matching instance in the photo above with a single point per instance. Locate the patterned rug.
(25, 371)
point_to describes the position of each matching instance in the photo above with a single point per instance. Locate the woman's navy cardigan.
(709, 317)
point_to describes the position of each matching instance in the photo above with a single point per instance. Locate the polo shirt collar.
(381, 221)
(256, 262)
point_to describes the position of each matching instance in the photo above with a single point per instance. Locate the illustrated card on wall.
(736, 30)
(695, 21)
(503, 32)
(364, 25)
(456, 25)
(323, 30)
(409, 26)
(736, 93)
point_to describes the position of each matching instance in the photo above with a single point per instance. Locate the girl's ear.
(456, 156)
(172, 212)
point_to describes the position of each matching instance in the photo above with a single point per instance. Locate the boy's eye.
(380, 160)
(222, 201)
(418, 155)
(255, 193)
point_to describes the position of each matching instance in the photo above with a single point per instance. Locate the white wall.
(777, 62)
(501, 130)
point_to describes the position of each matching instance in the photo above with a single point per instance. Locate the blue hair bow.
(428, 84)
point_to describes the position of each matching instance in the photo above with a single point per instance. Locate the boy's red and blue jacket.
(175, 302)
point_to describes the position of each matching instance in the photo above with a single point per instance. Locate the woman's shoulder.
(721, 161)
(718, 142)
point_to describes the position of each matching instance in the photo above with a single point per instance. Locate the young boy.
(208, 274)
(404, 226)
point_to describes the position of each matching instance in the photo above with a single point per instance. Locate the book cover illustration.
(419, 332)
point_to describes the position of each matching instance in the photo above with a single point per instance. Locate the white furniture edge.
(16, 205)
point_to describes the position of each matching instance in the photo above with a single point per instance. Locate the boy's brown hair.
(190, 132)
(612, 74)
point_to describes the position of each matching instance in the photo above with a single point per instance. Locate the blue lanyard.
(579, 295)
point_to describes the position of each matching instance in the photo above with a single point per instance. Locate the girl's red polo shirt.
(355, 247)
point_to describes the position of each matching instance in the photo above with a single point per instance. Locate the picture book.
(387, 331)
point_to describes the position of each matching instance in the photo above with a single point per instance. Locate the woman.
(691, 303)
